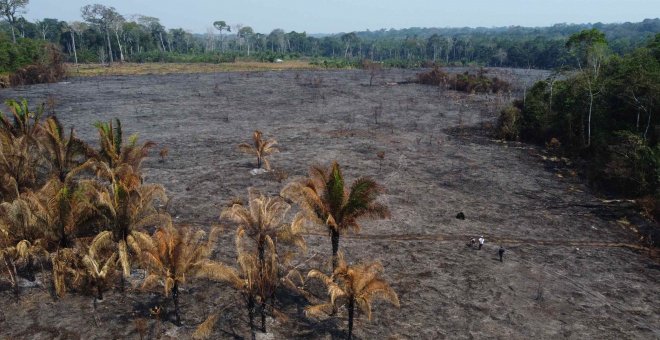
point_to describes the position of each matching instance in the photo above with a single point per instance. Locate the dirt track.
(570, 271)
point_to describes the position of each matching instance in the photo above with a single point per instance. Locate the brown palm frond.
(317, 274)
(368, 273)
(220, 272)
(99, 269)
(19, 221)
(136, 241)
(151, 281)
(101, 242)
(174, 254)
(260, 148)
(204, 330)
(122, 250)
(293, 233)
(378, 288)
(320, 310)
(68, 270)
(364, 305)
(359, 284)
(65, 155)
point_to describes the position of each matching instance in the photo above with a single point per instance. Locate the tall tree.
(246, 34)
(349, 39)
(221, 26)
(74, 27)
(435, 42)
(326, 201)
(590, 48)
(9, 9)
(155, 28)
(103, 18)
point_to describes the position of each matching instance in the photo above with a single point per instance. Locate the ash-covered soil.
(571, 269)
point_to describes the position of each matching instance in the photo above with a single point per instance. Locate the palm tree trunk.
(250, 306)
(263, 315)
(351, 308)
(175, 297)
(262, 262)
(99, 290)
(29, 268)
(75, 54)
(335, 247)
(107, 35)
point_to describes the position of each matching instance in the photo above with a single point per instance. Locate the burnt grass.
(572, 268)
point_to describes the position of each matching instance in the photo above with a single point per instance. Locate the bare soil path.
(438, 161)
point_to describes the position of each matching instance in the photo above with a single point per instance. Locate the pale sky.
(333, 16)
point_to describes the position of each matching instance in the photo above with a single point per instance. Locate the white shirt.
(481, 240)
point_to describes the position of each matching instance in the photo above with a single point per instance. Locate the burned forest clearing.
(572, 268)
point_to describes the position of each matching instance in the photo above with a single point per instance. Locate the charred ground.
(570, 270)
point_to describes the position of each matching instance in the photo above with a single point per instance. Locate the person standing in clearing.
(472, 242)
(501, 252)
(481, 242)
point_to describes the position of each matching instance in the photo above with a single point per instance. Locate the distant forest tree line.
(104, 35)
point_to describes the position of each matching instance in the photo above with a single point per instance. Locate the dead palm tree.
(178, 254)
(352, 286)
(63, 209)
(68, 269)
(326, 201)
(19, 156)
(245, 280)
(263, 222)
(23, 254)
(260, 148)
(127, 211)
(66, 155)
(99, 272)
(62, 204)
(18, 222)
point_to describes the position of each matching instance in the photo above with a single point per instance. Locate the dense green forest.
(104, 35)
(604, 113)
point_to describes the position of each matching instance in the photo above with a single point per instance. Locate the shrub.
(20, 54)
(435, 77)
(49, 69)
(508, 124)
(465, 82)
(630, 165)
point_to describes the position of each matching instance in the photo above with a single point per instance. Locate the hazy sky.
(332, 16)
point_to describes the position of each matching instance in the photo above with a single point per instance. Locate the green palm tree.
(325, 200)
(115, 152)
